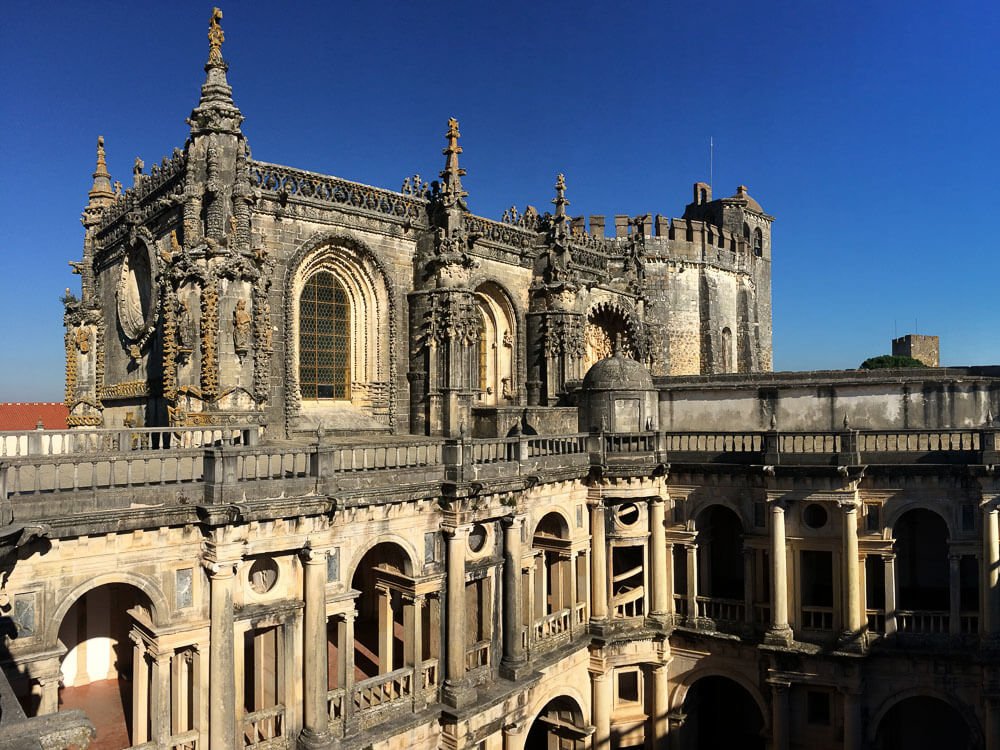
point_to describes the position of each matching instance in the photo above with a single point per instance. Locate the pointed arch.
(370, 316)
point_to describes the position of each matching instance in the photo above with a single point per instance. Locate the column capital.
(656, 500)
(312, 556)
(452, 532)
(778, 504)
(889, 557)
(848, 504)
(512, 521)
(218, 570)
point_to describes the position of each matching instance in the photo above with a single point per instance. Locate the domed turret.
(618, 395)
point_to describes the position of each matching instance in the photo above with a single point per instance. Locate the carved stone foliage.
(453, 316)
(563, 335)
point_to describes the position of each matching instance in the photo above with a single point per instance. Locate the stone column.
(851, 572)
(49, 687)
(140, 691)
(748, 580)
(315, 714)
(599, 564)
(513, 646)
(658, 557)
(385, 629)
(601, 688)
(661, 707)
(455, 692)
(159, 700)
(692, 582)
(889, 560)
(345, 641)
(222, 681)
(779, 714)
(780, 631)
(853, 739)
(668, 581)
(413, 638)
(954, 594)
(991, 572)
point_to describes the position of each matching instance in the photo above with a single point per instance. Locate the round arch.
(700, 505)
(721, 711)
(498, 353)
(373, 328)
(975, 735)
(146, 585)
(562, 699)
(409, 553)
(567, 526)
(687, 682)
(895, 511)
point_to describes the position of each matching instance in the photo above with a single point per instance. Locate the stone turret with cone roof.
(444, 314)
(555, 326)
(213, 274)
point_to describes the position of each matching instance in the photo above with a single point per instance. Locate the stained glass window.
(324, 339)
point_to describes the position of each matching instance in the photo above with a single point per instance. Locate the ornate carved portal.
(606, 326)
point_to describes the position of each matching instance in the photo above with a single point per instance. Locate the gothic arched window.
(324, 339)
(758, 242)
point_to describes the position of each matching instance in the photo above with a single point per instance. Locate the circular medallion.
(135, 294)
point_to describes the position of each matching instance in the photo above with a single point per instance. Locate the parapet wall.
(932, 398)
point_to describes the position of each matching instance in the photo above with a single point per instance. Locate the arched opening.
(383, 577)
(552, 580)
(923, 722)
(922, 561)
(758, 242)
(721, 582)
(719, 712)
(558, 726)
(497, 374)
(339, 322)
(606, 326)
(106, 670)
(746, 232)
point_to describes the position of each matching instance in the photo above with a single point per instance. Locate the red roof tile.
(25, 415)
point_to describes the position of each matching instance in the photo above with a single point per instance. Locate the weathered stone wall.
(897, 399)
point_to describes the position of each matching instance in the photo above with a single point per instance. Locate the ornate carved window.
(324, 339)
(496, 372)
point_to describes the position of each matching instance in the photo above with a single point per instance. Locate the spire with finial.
(559, 219)
(216, 110)
(100, 193)
(453, 193)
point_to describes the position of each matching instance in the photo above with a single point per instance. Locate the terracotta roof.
(25, 415)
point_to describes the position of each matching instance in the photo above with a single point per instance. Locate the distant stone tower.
(925, 348)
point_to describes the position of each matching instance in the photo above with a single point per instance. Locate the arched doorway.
(382, 577)
(100, 674)
(721, 713)
(558, 726)
(721, 584)
(923, 722)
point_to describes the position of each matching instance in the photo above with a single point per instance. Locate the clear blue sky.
(869, 129)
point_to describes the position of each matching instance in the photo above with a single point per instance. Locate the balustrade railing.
(260, 464)
(580, 613)
(713, 442)
(925, 622)
(762, 614)
(968, 623)
(876, 620)
(917, 441)
(429, 674)
(817, 618)
(383, 689)
(335, 704)
(809, 442)
(552, 625)
(261, 727)
(477, 655)
(74, 473)
(629, 442)
(556, 445)
(27, 443)
(721, 610)
(629, 603)
(189, 740)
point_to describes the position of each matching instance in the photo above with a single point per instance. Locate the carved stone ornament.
(137, 298)
(241, 328)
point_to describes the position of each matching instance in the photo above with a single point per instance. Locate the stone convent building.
(355, 468)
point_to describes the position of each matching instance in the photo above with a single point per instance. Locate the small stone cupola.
(618, 395)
